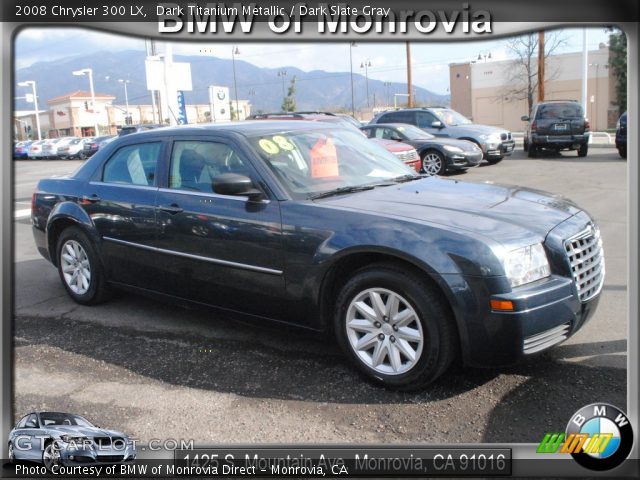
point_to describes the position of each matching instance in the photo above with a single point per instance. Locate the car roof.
(390, 124)
(246, 128)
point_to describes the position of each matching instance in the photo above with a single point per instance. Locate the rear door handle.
(172, 209)
(90, 198)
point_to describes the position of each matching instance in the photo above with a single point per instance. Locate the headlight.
(451, 148)
(74, 439)
(526, 265)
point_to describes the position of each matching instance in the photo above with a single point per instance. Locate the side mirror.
(437, 124)
(524, 118)
(236, 185)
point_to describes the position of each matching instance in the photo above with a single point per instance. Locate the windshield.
(315, 161)
(55, 418)
(414, 133)
(451, 117)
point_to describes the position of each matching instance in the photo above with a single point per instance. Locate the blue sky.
(430, 59)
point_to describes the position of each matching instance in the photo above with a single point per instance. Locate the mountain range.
(315, 90)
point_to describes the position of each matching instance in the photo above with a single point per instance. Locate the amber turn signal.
(503, 305)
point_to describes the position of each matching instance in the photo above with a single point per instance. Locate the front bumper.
(85, 455)
(545, 313)
(499, 150)
(464, 160)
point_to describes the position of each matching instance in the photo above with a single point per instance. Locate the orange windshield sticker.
(324, 159)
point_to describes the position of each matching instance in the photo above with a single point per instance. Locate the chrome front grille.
(407, 156)
(586, 258)
(542, 341)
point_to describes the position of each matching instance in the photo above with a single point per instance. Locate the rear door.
(121, 202)
(218, 249)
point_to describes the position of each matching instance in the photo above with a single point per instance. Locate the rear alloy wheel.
(582, 151)
(80, 270)
(433, 163)
(394, 327)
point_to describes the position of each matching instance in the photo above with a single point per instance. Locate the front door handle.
(172, 209)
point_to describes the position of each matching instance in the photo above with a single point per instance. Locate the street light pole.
(235, 51)
(282, 73)
(366, 64)
(353, 104)
(387, 85)
(89, 72)
(32, 84)
(126, 96)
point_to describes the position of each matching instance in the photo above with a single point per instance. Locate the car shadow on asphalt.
(254, 360)
(550, 155)
(555, 390)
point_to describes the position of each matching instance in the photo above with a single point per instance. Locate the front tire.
(80, 269)
(12, 454)
(50, 456)
(394, 327)
(433, 163)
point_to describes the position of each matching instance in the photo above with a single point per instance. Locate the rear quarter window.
(398, 117)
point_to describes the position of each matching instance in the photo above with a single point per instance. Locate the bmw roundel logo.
(605, 436)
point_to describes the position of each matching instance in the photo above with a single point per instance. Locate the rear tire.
(582, 151)
(622, 152)
(525, 145)
(394, 327)
(80, 269)
(532, 152)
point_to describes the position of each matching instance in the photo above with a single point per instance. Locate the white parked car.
(74, 148)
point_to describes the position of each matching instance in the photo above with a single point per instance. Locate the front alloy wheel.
(433, 163)
(50, 456)
(384, 331)
(393, 324)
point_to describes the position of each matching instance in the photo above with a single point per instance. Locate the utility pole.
(585, 70)
(541, 66)
(353, 105)
(409, 83)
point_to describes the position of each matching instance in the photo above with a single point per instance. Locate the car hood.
(507, 214)
(477, 129)
(83, 431)
(463, 144)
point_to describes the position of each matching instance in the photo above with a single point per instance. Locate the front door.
(218, 249)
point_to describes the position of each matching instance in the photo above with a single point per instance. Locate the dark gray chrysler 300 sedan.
(313, 225)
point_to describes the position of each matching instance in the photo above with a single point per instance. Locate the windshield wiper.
(340, 191)
(407, 178)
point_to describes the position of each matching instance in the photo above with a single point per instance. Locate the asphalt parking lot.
(158, 371)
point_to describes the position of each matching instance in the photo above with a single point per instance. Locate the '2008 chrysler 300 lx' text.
(314, 225)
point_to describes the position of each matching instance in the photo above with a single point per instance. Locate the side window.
(425, 119)
(32, 421)
(22, 422)
(370, 132)
(133, 164)
(399, 117)
(378, 132)
(389, 134)
(194, 164)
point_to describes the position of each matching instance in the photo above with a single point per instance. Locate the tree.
(618, 64)
(289, 102)
(523, 77)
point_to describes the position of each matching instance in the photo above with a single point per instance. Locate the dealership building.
(488, 93)
(73, 114)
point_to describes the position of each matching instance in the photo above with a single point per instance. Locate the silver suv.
(496, 143)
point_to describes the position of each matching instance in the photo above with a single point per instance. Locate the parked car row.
(62, 148)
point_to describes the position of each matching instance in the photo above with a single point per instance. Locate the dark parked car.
(621, 135)
(94, 145)
(126, 130)
(556, 125)
(496, 143)
(311, 224)
(438, 155)
(65, 439)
